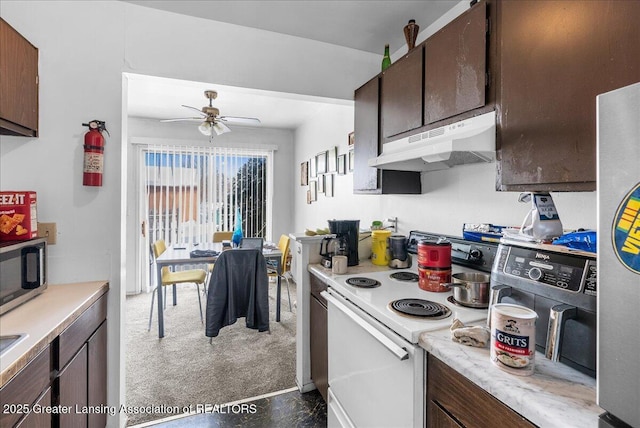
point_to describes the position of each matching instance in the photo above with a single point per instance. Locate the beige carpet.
(183, 369)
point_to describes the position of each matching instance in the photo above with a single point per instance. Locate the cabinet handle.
(399, 352)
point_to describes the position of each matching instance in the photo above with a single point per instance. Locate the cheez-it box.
(18, 218)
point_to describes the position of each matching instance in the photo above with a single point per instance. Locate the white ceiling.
(362, 25)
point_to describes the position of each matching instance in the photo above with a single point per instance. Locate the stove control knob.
(475, 254)
(535, 273)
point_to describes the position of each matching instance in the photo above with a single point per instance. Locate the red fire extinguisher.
(93, 153)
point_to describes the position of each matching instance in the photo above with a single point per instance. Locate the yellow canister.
(379, 254)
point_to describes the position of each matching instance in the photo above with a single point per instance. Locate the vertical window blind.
(193, 191)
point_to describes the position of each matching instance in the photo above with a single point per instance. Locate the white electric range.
(376, 367)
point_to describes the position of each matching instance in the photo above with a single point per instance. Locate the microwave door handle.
(399, 352)
(30, 268)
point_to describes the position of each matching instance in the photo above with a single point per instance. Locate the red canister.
(434, 265)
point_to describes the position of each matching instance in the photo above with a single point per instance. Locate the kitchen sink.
(9, 341)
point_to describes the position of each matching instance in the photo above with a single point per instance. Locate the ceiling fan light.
(205, 128)
(219, 128)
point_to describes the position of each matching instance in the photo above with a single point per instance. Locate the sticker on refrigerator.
(626, 231)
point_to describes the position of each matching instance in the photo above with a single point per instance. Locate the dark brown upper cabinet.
(366, 179)
(401, 95)
(19, 83)
(455, 67)
(554, 58)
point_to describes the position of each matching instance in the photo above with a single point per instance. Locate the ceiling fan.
(210, 118)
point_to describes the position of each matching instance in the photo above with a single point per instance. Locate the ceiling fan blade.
(183, 119)
(240, 120)
(195, 109)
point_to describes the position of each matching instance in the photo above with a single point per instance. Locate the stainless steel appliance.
(558, 283)
(374, 322)
(618, 381)
(399, 257)
(348, 232)
(23, 271)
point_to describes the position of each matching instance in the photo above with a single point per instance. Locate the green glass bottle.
(386, 60)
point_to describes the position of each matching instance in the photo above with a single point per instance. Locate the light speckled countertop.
(43, 318)
(554, 396)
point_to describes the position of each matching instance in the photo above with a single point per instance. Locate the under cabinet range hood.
(472, 140)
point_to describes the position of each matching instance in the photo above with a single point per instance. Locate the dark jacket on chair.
(239, 287)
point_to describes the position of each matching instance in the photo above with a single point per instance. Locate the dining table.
(180, 254)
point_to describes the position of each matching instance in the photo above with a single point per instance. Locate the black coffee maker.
(348, 232)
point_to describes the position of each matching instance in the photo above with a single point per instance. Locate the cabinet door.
(72, 390)
(402, 95)
(365, 178)
(97, 375)
(455, 66)
(19, 83)
(39, 419)
(555, 57)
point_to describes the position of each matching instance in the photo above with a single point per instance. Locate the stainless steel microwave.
(23, 271)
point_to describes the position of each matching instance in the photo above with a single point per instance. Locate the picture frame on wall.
(308, 196)
(351, 160)
(342, 164)
(304, 173)
(328, 186)
(313, 190)
(321, 183)
(332, 159)
(313, 172)
(351, 139)
(321, 162)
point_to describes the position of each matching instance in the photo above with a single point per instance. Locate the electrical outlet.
(48, 230)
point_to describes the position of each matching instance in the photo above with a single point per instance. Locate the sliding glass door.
(188, 193)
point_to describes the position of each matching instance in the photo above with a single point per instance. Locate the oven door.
(376, 378)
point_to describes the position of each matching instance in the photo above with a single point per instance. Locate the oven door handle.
(399, 352)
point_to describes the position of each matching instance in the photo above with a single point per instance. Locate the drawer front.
(25, 388)
(464, 401)
(316, 287)
(72, 339)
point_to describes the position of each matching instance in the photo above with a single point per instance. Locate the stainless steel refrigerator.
(618, 366)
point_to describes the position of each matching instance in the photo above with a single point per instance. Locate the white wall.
(84, 48)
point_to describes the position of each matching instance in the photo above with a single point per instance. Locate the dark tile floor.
(289, 409)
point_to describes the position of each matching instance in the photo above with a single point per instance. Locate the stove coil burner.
(451, 299)
(405, 276)
(421, 308)
(362, 282)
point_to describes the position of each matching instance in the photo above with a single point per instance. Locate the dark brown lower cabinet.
(70, 374)
(97, 375)
(82, 381)
(318, 339)
(72, 390)
(455, 401)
